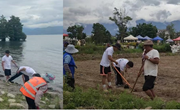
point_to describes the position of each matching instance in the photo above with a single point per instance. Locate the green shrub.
(173, 104)
(161, 47)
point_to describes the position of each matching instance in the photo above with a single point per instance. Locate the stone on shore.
(11, 95)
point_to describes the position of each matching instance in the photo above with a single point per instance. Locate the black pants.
(17, 75)
(118, 76)
(31, 103)
(70, 82)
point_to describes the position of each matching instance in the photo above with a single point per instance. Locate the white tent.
(130, 37)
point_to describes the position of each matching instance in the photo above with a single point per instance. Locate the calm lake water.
(44, 53)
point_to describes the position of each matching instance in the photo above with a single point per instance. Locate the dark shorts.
(7, 72)
(149, 83)
(104, 70)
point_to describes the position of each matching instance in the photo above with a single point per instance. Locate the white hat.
(48, 77)
(71, 49)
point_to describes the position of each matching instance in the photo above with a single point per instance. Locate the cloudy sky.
(34, 13)
(92, 11)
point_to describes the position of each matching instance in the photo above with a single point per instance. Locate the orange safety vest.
(30, 88)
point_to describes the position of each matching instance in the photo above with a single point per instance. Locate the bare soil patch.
(167, 87)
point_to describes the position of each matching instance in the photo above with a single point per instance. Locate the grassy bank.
(96, 99)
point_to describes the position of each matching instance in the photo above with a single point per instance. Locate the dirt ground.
(168, 80)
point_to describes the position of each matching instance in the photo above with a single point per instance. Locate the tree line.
(101, 35)
(11, 29)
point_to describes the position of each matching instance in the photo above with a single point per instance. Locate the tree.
(14, 28)
(75, 31)
(84, 35)
(121, 21)
(3, 28)
(144, 30)
(100, 34)
(171, 30)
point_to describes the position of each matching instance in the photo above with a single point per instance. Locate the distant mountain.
(113, 28)
(44, 31)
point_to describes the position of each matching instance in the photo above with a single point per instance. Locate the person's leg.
(26, 78)
(108, 72)
(149, 93)
(120, 81)
(15, 76)
(148, 85)
(31, 103)
(104, 82)
(152, 91)
(116, 83)
(102, 73)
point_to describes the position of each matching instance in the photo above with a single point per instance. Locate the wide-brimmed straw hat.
(148, 42)
(71, 49)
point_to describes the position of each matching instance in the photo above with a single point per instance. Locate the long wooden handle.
(134, 84)
(122, 76)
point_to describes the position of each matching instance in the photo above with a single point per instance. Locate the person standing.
(69, 65)
(25, 71)
(105, 70)
(35, 88)
(6, 64)
(149, 66)
(122, 66)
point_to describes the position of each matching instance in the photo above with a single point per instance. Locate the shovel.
(122, 76)
(134, 84)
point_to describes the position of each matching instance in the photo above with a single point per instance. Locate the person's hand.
(146, 57)
(116, 62)
(70, 75)
(18, 72)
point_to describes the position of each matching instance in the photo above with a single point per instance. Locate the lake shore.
(12, 98)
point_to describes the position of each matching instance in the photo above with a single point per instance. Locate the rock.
(23, 98)
(1, 100)
(11, 100)
(52, 106)
(148, 107)
(11, 95)
(16, 105)
(53, 93)
(2, 92)
(43, 102)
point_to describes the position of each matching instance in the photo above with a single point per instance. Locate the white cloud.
(92, 11)
(34, 13)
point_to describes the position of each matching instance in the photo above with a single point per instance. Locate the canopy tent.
(130, 37)
(140, 37)
(147, 38)
(157, 38)
(169, 40)
(177, 39)
(65, 35)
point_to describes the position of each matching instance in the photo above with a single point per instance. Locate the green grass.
(96, 99)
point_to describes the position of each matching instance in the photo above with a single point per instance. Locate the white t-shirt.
(105, 61)
(121, 63)
(7, 61)
(149, 67)
(29, 71)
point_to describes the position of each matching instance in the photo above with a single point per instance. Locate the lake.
(44, 53)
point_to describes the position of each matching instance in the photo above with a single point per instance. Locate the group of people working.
(149, 67)
(34, 86)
